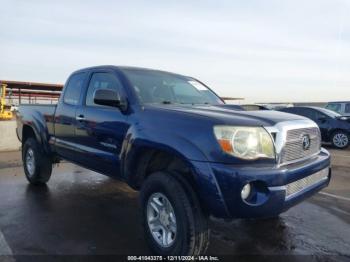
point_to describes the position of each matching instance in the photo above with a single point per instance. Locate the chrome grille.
(293, 148)
(306, 182)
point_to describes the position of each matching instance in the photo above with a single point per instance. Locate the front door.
(101, 130)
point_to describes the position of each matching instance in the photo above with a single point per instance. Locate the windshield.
(329, 112)
(161, 87)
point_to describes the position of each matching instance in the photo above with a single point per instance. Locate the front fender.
(139, 151)
(138, 146)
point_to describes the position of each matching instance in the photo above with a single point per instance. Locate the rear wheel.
(173, 221)
(37, 166)
(340, 139)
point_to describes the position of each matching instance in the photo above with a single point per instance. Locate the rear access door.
(65, 117)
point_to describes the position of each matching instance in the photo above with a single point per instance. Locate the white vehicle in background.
(342, 108)
(14, 108)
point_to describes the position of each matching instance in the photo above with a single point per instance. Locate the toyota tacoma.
(172, 138)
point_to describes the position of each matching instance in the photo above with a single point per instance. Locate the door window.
(347, 108)
(73, 89)
(334, 107)
(102, 81)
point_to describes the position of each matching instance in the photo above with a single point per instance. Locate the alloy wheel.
(340, 140)
(30, 161)
(161, 220)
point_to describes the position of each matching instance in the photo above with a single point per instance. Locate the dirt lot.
(81, 212)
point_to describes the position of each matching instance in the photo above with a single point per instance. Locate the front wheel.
(173, 221)
(37, 166)
(340, 139)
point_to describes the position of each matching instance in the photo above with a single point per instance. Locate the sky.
(263, 51)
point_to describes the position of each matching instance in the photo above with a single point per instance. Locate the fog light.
(245, 191)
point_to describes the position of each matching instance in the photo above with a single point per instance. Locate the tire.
(340, 139)
(189, 235)
(37, 166)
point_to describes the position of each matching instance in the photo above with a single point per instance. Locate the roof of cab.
(123, 68)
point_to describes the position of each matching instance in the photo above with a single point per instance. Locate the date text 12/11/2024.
(173, 258)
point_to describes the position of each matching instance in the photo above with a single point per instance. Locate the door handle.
(80, 118)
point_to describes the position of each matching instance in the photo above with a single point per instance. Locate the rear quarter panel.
(40, 119)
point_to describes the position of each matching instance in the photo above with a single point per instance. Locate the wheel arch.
(337, 130)
(29, 131)
(32, 131)
(147, 161)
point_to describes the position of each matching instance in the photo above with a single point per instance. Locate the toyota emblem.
(306, 142)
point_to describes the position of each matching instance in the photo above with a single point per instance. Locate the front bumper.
(220, 186)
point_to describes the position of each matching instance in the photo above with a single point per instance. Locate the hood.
(226, 115)
(344, 119)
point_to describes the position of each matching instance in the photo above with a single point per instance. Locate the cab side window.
(336, 107)
(102, 81)
(73, 89)
(347, 108)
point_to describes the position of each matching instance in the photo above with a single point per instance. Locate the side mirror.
(109, 97)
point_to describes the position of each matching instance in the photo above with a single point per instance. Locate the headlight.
(245, 142)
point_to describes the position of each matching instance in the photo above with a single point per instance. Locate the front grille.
(306, 182)
(293, 149)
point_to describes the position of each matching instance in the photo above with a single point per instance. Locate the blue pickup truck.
(171, 137)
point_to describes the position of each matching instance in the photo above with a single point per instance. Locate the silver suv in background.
(342, 108)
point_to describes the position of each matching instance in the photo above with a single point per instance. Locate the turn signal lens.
(226, 145)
